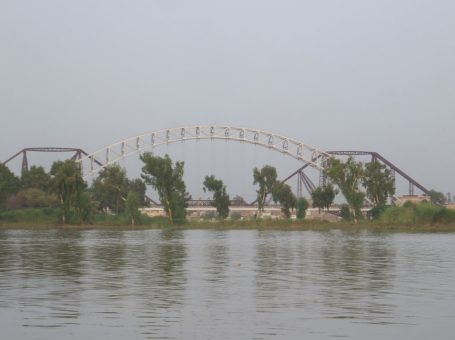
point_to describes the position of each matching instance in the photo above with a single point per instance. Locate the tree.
(87, 206)
(9, 185)
(323, 197)
(138, 186)
(220, 196)
(266, 178)
(110, 188)
(67, 183)
(167, 180)
(132, 204)
(437, 197)
(282, 193)
(378, 182)
(36, 177)
(301, 207)
(348, 176)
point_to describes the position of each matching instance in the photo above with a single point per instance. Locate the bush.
(345, 213)
(235, 216)
(301, 207)
(423, 213)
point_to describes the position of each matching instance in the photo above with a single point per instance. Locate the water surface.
(240, 284)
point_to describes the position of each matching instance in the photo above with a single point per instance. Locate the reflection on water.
(226, 284)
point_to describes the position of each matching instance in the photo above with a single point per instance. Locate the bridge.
(310, 156)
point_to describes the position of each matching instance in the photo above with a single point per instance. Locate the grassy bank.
(423, 217)
(394, 219)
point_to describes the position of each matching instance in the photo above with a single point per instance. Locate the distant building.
(413, 199)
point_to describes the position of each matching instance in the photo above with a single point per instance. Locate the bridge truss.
(77, 155)
(147, 142)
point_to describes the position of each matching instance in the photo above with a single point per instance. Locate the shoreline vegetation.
(411, 218)
(61, 198)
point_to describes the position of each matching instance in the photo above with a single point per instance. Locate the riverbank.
(47, 219)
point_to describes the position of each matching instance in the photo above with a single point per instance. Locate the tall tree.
(348, 177)
(36, 177)
(111, 187)
(220, 196)
(9, 185)
(282, 193)
(138, 186)
(266, 178)
(132, 204)
(323, 197)
(378, 182)
(67, 183)
(167, 180)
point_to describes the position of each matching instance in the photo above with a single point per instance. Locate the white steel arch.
(94, 162)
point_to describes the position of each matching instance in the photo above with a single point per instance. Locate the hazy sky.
(346, 74)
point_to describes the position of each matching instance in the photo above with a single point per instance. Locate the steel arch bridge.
(113, 153)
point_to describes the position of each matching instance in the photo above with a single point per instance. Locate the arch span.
(113, 153)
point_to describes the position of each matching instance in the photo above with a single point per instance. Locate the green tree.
(378, 182)
(220, 196)
(323, 197)
(266, 178)
(87, 207)
(348, 177)
(37, 198)
(437, 197)
(301, 207)
(132, 204)
(110, 188)
(138, 186)
(167, 180)
(67, 183)
(345, 212)
(318, 198)
(282, 193)
(9, 185)
(36, 177)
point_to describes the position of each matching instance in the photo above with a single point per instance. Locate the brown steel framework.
(77, 154)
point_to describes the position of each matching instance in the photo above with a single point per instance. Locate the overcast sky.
(346, 74)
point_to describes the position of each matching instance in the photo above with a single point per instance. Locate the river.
(218, 284)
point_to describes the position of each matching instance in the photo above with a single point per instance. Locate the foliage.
(266, 178)
(87, 207)
(109, 188)
(345, 212)
(323, 197)
(132, 204)
(301, 207)
(378, 182)
(220, 196)
(423, 213)
(167, 180)
(377, 211)
(9, 185)
(36, 177)
(348, 176)
(34, 216)
(282, 193)
(32, 198)
(138, 186)
(437, 197)
(67, 183)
